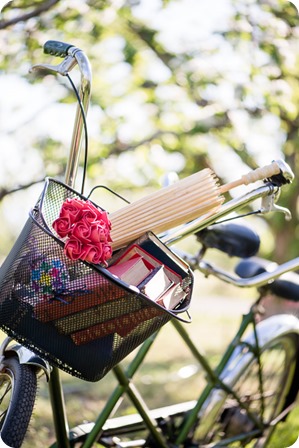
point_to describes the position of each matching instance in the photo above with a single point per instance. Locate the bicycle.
(253, 387)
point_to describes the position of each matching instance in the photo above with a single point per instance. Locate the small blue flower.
(35, 274)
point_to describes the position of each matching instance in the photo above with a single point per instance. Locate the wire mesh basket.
(77, 315)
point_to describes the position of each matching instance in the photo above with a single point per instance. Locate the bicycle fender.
(270, 328)
(276, 325)
(26, 356)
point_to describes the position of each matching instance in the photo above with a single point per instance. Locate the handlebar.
(56, 48)
(278, 171)
(72, 56)
(255, 281)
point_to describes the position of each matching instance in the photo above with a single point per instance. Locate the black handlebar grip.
(56, 48)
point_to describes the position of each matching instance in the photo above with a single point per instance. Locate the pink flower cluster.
(86, 229)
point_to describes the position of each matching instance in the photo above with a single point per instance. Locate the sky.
(3, 3)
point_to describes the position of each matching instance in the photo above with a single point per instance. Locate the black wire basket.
(77, 315)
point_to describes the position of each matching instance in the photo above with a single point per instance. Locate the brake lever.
(268, 205)
(286, 176)
(62, 69)
(67, 51)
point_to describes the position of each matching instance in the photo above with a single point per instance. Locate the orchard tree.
(177, 85)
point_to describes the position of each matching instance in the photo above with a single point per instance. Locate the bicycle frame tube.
(58, 410)
(125, 385)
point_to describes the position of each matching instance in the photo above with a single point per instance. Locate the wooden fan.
(196, 195)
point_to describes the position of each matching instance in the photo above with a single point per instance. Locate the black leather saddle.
(286, 286)
(241, 241)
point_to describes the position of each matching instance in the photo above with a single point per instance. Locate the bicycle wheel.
(226, 422)
(17, 396)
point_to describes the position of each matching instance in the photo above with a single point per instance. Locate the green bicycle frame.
(126, 386)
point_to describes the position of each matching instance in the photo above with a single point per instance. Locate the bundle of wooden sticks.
(196, 195)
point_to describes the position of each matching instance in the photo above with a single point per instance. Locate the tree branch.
(5, 192)
(34, 13)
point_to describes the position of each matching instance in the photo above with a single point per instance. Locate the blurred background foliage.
(178, 85)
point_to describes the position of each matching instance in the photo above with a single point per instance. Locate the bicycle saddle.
(286, 286)
(236, 240)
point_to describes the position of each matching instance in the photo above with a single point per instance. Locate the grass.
(84, 400)
(170, 374)
(288, 432)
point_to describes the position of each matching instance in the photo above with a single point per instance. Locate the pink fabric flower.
(81, 231)
(72, 209)
(90, 212)
(107, 252)
(73, 249)
(86, 230)
(92, 253)
(62, 226)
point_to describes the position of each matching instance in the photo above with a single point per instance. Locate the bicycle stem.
(84, 93)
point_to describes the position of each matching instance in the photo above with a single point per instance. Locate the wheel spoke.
(233, 423)
(6, 388)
